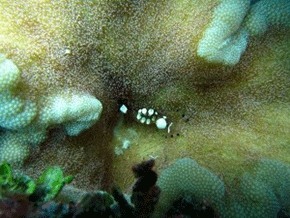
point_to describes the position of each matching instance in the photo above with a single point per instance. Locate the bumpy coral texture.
(185, 178)
(14, 148)
(70, 53)
(263, 191)
(54, 52)
(126, 52)
(233, 22)
(15, 112)
(223, 42)
(76, 111)
(25, 122)
(275, 177)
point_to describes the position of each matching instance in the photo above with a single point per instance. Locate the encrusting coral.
(234, 21)
(27, 122)
(260, 193)
(186, 179)
(15, 112)
(224, 41)
(35, 64)
(70, 61)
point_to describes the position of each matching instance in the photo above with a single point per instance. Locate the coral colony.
(81, 81)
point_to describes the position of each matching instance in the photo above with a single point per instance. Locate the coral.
(185, 178)
(161, 39)
(262, 191)
(224, 41)
(76, 112)
(129, 51)
(196, 191)
(10, 74)
(276, 177)
(233, 22)
(259, 200)
(25, 121)
(15, 112)
(266, 13)
(14, 148)
(88, 162)
(36, 90)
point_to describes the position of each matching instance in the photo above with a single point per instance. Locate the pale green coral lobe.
(224, 41)
(234, 21)
(185, 178)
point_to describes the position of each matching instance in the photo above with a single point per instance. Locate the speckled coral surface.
(129, 53)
